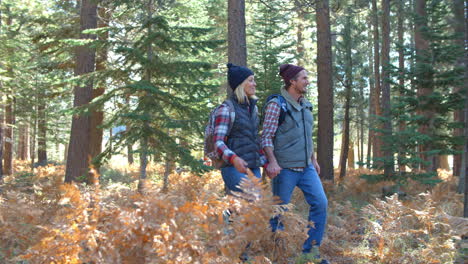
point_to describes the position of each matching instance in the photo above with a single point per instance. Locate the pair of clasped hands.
(272, 170)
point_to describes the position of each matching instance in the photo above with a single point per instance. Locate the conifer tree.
(161, 88)
(268, 40)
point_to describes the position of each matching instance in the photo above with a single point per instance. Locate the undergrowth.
(43, 220)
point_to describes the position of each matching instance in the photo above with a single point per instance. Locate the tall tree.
(42, 131)
(377, 91)
(386, 111)
(9, 111)
(348, 85)
(325, 91)
(424, 81)
(78, 158)
(97, 115)
(458, 7)
(401, 68)
(237, 44)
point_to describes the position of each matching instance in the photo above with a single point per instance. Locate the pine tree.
(164, 91)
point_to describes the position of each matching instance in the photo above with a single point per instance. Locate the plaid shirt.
(270, 123)
(222, 122)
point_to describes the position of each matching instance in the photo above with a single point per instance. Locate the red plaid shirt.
(270, 123)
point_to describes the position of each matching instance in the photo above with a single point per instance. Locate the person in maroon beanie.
(287, 143)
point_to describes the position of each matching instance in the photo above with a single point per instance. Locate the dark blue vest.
(243, 139)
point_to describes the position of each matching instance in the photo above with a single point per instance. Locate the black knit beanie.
(237, 74)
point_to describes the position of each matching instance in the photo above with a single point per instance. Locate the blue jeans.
(232, 177)
(309, 182)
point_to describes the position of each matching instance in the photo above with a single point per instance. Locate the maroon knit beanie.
(288, 71)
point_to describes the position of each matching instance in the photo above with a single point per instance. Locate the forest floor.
(43, 220)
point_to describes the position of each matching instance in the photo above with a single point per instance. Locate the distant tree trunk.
(423, 81)
(401, 69)
(10, 121)
(20, 145)
(97, 116)
(42, 133)
(464, 168)
(300, 34)
(2, 125)
(376, 95)
(351, 160)
(9, 139)
(169, 166)
(78, 160)
(23, 141)
(458, 115)
(463, 184)
(371, 113)
(348, 83)
(2, 131)
(325, 91)
(386, 105)
(237, 45)
(33, 137)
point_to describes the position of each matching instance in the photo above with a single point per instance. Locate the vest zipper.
(305, 137)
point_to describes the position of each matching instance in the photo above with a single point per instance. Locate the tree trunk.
(348, 83)
(325, 91)
(237, 45)
(300, 35)
(401, 74)
(458, 115)
(42, 133)
(463, 184)
(351, 160)
(167, 171)
(424, 81)
(78, 160)
(376, 95)
(23, 142)
(2, 131)
(97, 116)
(33, 137)
(386, 105)
(10, 122)
(371, 113)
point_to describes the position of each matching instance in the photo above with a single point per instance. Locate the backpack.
(209, 144)
(283, 106)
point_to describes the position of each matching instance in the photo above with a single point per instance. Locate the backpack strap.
(232, 114)
(283, 107)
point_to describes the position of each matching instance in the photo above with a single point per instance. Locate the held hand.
(240, 165)
(273, 169)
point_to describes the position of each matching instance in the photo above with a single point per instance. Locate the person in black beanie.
(238, 143)
(236, 139)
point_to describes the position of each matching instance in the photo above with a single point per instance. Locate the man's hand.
(317, 167)
(240, 164)
(273, 169)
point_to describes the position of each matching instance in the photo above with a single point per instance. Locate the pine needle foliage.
(162, 82)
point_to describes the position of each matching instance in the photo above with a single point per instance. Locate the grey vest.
(243, 138)
(293, 144)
